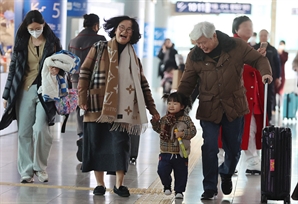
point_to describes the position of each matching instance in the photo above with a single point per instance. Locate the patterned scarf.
(167, 127)
(124, 103)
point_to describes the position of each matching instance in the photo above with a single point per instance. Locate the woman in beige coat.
(114, 94)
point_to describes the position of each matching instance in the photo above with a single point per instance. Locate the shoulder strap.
(100, 47)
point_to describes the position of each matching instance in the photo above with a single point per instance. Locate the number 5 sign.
(51, 11)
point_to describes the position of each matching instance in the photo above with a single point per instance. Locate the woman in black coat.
(34, 42)
(167, 52)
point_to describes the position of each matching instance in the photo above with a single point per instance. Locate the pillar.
(148, 37)
(162, 14)
(273, 22)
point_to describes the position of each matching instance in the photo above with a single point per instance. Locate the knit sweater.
(172, 146)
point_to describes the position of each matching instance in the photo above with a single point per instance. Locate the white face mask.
(35, 33)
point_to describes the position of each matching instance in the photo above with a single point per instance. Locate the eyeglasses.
(122, 28)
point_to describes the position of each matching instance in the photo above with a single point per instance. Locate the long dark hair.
(33, 16)
(111, 25)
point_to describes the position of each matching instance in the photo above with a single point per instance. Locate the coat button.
(252, 87)
(207, 64)
(250, 98)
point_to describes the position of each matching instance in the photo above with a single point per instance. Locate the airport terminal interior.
(68, 185)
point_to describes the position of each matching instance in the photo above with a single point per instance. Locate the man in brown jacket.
(216, 63)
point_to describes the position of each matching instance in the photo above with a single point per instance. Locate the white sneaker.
(42, 176)
(179, 196)
(253, 167)
(168, 192)
(27, 180)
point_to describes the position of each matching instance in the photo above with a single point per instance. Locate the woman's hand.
(156, 117)
(54, 71)
(83, 106)
(277, 82)
(4, 103)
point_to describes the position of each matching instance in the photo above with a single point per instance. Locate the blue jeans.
(231, 139)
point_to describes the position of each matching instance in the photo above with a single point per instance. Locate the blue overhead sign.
(76, 8)
(212, 7)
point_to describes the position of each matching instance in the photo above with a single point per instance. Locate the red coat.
(283, 59)
(255, 98)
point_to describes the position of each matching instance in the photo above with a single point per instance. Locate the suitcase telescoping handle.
(265, 103)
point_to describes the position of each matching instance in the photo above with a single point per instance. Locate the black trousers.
(173, 162)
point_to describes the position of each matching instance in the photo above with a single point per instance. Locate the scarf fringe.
(105, 119)
(129, 128)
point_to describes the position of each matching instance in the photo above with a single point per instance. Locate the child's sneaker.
(167, 190)
(178, 195)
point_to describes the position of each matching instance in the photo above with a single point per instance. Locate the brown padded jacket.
(221, 88)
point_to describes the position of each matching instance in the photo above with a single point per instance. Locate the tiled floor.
(68, 185)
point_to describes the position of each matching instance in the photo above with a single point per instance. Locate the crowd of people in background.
(113, 95)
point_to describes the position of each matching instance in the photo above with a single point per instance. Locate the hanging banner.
(212, 7)
(51, 11)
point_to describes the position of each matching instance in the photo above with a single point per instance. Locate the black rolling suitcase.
(295, 193)
(276, 162)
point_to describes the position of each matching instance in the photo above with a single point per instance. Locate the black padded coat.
(17, 70)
